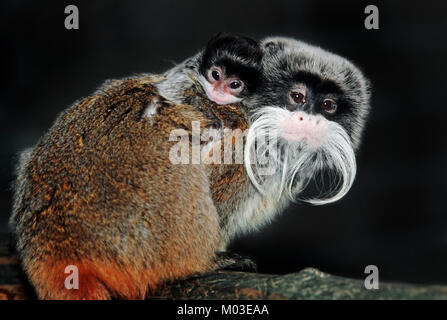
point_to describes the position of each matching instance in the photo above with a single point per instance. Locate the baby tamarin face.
(227, 70)
(230, 68)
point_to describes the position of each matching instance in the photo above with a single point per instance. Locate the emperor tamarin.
(130, 219)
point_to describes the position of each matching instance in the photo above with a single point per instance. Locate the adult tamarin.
(100, 192)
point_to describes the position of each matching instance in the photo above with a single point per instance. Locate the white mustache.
(268, 158)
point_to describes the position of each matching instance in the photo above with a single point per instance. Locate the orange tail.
(94, 280)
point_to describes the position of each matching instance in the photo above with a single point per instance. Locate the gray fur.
(286, 56)
(20, 184)
(179, 79)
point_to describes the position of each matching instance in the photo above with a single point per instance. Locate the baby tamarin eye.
(236, 85)
(214, 74)
(222, 88)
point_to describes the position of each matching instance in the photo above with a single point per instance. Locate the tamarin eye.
(236, 86)
(214, 74)
(329, 106)
(298, 97)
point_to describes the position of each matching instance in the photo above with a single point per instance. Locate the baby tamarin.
(227, 71)
(99, 191)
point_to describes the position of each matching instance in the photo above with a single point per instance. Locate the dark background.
(395, 215)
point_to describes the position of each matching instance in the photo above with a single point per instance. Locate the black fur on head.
(307, 119)
(287, 61)
(239, 55)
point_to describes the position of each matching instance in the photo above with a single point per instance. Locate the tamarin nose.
(304, 117)
(301, 126)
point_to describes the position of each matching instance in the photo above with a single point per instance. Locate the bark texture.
(307, 284)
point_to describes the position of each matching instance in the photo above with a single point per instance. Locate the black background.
(394, 217)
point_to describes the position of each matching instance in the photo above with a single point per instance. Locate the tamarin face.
(230, 68)
(314, 84)
(312, 104)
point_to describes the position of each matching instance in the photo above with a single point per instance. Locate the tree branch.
(307, 284)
